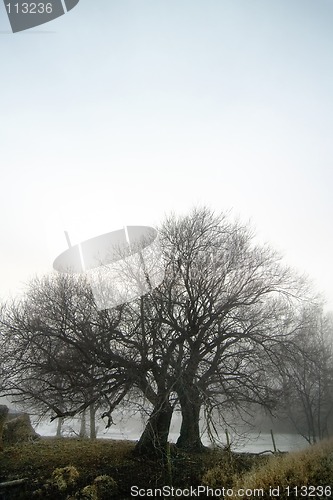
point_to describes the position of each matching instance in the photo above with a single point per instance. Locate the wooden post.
(273, 440)
(228, 438)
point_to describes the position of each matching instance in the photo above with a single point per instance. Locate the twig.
(15, 482)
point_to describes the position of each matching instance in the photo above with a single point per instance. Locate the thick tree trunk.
(189, 438)
(154, 439)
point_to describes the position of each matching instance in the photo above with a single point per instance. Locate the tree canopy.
(204, 341)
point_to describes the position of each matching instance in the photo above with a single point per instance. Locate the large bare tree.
(205, 338)
(220, 312)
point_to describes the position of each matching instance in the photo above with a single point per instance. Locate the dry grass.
(111, 459)
(310, 467)
(60, 468)
(37, 461)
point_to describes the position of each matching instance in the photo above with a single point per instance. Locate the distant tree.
(307, 375)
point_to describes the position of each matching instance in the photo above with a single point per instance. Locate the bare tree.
(50, 343)
(306, 370)
(220, 311)
(205, 338)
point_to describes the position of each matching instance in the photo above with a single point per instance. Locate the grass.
(37, 461)
(70, 468)
(103, 457)
(310, 468)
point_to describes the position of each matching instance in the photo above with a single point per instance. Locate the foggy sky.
(121, 111)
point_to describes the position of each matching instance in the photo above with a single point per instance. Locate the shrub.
(87, 493)
(19, 430)
(106, 487)
(64, 477)
(103, 488)
(309, 467)
(223, 474)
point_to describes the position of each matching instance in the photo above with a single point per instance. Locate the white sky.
(123, 110)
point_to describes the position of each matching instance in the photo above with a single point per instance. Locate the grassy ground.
(67, 469)
(38, 460)
(302, 474)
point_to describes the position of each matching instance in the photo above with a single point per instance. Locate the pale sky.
(124, 110)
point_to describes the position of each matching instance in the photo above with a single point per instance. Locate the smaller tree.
(307, 375)
(51, 341)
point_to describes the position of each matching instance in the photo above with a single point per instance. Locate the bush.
(62, 484)
(64, 478)
(87, 493)
(103, 488)
(106, 487)
(310, 467)
(223, 475)
(19, 430)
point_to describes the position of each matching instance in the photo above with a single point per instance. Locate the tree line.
(230, 327)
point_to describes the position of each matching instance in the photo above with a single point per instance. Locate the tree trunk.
(189, 438)
(83, 427)
(3, 416)
(59, 426)
(154, 439)
(92, 421)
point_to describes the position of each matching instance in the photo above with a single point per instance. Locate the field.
(104, 469)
